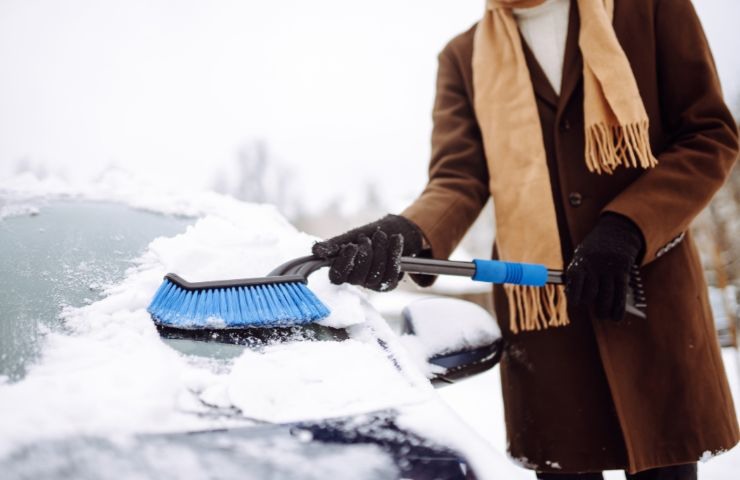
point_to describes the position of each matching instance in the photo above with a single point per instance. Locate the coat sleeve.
(703, 143)
(457, 188)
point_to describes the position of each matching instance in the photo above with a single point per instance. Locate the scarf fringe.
(610, 146)
(536, 308)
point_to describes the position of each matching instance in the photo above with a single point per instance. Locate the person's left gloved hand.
(599, 273)
(370, 255)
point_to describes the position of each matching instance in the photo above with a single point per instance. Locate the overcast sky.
(341, 90)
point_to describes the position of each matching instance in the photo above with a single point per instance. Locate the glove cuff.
(624, 231)
(413, 239)
(390, 225)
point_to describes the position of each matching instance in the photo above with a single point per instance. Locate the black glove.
(370, 256)
(599, 273)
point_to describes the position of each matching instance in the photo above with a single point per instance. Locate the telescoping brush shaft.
(496, 271)
(491, 271)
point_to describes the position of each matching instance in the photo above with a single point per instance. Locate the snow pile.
(308, 380)
(708, 455)
(114, 378)
(445, 325)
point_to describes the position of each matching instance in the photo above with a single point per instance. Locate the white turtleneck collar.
(545, 28)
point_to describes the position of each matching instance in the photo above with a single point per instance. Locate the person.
(599, 130)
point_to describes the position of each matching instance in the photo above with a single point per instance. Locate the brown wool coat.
(599, 395)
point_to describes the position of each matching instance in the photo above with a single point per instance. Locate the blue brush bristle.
(275, 304)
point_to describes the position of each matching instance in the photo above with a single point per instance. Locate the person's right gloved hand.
(599, 273)
(370, 255)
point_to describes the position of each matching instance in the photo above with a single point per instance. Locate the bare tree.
(257, 176)
(718, 234)
(252, 172)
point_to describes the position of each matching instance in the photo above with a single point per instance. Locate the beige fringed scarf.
(505, 106)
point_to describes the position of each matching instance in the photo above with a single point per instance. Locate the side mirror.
(457, 338)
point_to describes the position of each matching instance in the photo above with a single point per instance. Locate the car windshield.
(62, 255)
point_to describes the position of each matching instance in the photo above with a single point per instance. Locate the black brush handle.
(491, 271)
(480, 270)
(231, 283)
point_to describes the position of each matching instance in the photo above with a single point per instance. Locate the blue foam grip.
(495, 271)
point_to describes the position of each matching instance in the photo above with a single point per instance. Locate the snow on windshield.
(231, 239)
(109, 373)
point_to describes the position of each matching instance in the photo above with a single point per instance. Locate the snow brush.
(282, 298)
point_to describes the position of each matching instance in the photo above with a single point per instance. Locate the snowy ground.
(478, 400)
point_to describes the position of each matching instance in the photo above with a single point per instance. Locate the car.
(90, 388)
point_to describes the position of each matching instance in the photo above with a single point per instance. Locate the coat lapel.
(540, 83)
(572, 61)
(572, 66)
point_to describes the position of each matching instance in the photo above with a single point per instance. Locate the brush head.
(236, 304)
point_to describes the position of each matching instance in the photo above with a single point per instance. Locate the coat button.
(565, 125)
(575, 199)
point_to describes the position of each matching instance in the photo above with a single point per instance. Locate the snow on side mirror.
(450, 338)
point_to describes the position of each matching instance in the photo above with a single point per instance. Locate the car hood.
(366, 447)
